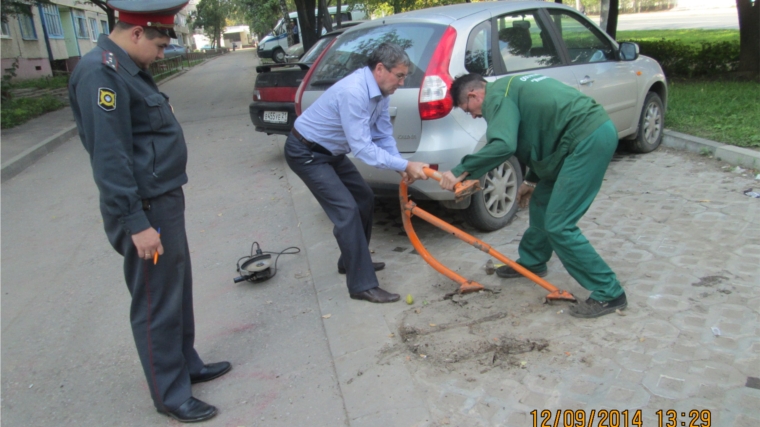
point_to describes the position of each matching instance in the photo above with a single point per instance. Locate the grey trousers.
(348, 202)
(161, 314)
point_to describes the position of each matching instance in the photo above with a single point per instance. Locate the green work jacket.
(536, 118)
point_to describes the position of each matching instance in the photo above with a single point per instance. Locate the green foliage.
(17, 111)
(55, 82)
(723, 111)
(685, 60)
(10, 8)
(383, 8)
(6, 82)
(211, 16)
(262, 15)
(686, 36)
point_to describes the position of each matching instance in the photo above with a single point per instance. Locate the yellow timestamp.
(579, 418)
(696, 418)
(616, 418)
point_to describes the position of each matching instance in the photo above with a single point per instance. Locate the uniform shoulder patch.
(109, 59)
(106, 99)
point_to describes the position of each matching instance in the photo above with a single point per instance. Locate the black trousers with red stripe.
(162, 301)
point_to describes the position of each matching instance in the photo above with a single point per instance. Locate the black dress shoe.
(376, 295)
(377, 265)
(211, 371)
(192, 411)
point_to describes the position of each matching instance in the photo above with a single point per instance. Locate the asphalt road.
(68, 358)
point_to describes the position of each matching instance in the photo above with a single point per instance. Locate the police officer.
(138, 156)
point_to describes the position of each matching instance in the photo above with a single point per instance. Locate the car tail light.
(434, 100)
(276, 94)
(307, 77)
(256, 95)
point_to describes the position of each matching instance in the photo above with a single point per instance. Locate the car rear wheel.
(651, 125)
(494, 207)
(278, 55)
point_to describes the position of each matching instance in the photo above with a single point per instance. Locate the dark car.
(274, 92)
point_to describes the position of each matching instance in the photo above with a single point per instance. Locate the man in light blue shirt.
(352, 117)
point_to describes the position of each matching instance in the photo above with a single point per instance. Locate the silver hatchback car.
(494, 39)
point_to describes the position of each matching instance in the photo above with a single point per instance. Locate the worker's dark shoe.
(376, 295)
(377, 265)
(192, 411)
(508, 272)
(211, 371)
(593, 308)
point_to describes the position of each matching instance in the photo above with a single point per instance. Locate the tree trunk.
(326, 22)
(749, 37)
(338, 16)
(603, 13)
(612, 18)
(309, 26)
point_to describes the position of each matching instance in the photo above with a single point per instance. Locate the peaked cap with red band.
(158, 14)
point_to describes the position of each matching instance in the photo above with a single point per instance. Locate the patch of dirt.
(454, 330)
(710, 281)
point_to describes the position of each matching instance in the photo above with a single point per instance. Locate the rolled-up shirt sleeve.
(371, 143)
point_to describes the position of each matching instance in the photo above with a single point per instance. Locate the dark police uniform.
(138, 156)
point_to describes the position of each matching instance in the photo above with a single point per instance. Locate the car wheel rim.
(652, 124)
(500, 190)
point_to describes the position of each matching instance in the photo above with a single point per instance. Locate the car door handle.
(392, 111)
(586, 80)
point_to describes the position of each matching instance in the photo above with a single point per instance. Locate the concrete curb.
(22, 161)
(736, 156)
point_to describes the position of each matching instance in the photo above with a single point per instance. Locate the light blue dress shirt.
(352, 117)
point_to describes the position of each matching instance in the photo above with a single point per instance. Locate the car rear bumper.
(257, 109)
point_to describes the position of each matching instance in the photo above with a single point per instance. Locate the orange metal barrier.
(461, 190)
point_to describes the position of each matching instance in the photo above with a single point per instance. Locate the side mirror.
(629, 51)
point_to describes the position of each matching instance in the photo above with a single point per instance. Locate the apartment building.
(57, 35)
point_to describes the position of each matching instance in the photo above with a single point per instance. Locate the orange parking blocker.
(461, 191)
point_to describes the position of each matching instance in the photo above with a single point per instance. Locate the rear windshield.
(351, 50)
(311, 56)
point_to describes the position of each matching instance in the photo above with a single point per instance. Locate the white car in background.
(494, 39)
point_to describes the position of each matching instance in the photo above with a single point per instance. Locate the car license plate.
(276, 116)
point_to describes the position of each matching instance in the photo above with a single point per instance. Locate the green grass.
(17, 111)
(688, 37)
(723, 111)
(41, 83)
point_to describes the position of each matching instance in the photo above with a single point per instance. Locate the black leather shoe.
(508, 272)
(192, 411)
(377, 265)
(376, 295)
(211, 371)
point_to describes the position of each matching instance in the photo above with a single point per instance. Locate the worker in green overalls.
(567, 141)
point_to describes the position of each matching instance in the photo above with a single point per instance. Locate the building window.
(104, 27)
(52, 21)
(26, 23)
(80, 24)
(94, 28)
(6, 30)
